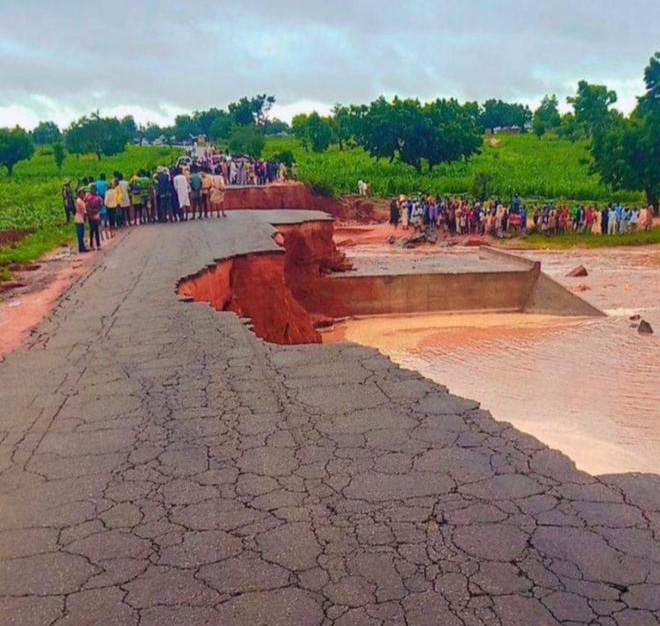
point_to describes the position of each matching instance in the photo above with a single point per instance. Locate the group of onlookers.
(190, 189)
(462, 217)
(239, 170)
(615, 219)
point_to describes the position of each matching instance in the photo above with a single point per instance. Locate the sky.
(154, 59)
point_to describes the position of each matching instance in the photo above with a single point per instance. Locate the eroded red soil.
(273, 289)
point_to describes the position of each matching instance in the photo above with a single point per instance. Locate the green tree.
(152, 131)
(591, 107)
(93, 134)
(247, 140)
(204, 120)
(15, 146)
(379, 128)
(649, 103)
(275, 127)
(283, 156)
(438, 132)
(221, 128)
(483, 185)
(538, 127)
(129, 127)
(627, 152)
(314, 131)
(58, 154)
(342, 123)
(546, 117)
(46, 133)
(569, 129)
(453, 132)
(252, 111)
(499, 114)
(185, 128)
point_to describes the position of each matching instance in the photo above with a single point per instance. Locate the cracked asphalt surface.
(161, 465)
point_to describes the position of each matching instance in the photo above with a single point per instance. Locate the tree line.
(625, 150)
(243, 126)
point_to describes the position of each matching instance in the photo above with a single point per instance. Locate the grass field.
(549, 168)
(573, 240)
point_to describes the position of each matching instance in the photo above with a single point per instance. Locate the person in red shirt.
(94, 206)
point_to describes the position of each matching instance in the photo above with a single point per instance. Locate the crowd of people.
(193, 188)
(237, 171)
(494, 218)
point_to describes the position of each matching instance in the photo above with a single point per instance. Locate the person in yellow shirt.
(135, 187)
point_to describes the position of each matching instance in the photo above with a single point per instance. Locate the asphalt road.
(160, 465)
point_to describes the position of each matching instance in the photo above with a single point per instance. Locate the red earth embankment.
(298, 196)
(269, 288)
(253, 287)
(310, 254)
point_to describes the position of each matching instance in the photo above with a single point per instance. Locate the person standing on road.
(207, 188)
(164, 197)
(124, 201)
(182, 189)
(94, 204)
(217, 197)
(135, 186)
(110, 201)
(68, 200)
(101, 188)
(196, 193)
(80, 215)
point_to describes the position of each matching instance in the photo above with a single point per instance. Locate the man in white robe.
(182, 188)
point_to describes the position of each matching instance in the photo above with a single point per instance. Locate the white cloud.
(286, 112)
(156, 58)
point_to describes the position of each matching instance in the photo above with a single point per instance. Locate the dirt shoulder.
(36, 289)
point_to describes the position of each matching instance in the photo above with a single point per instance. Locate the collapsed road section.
(306, 282)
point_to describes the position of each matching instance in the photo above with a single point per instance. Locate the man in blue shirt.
(101, 188)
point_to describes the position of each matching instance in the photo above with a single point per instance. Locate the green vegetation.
(573, 240)
(46, 134)
(15, 146)
(34, 246)
(102, 136)
(546, 117)
(549, 168)
(314, 132)
(31, 199)
(627, 150)
(247, 140)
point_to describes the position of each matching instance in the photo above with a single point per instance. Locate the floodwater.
(589, 387)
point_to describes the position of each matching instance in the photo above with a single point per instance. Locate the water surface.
(587, 386)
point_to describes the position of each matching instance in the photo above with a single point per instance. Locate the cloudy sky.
(154, 59)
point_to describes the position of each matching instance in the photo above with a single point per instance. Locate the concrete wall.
(340, 296)
(549, 297)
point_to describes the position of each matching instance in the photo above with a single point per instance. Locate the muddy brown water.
(589, 387)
